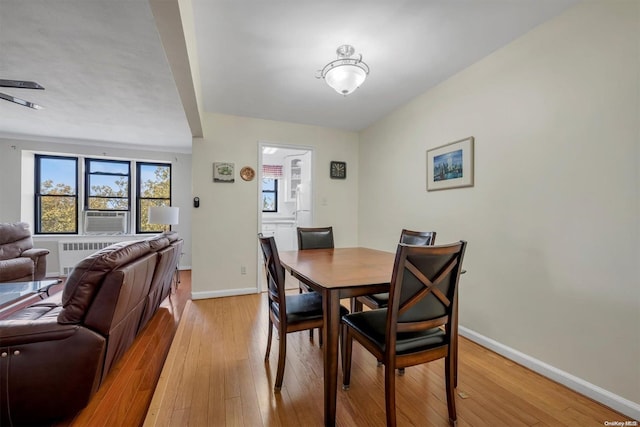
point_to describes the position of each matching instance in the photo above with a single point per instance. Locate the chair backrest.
(423, 290)
(315, 238)
(15, 238)
(424, 238)
(275, 273)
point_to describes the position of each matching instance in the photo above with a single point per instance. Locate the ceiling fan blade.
(20, 101)
(21, 84)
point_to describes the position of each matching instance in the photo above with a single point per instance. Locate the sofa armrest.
(22, 332)
(55, 367)
(35, 253)
(39, 257)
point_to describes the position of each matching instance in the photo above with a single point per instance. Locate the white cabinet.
(283, 232)
(285, 236)
(294, 169)
(268, 230)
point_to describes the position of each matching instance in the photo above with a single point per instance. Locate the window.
(269, 195)
(154, 189)
(107, 185)
(56, 194)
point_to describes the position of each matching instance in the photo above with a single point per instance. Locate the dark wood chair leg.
(266, 356)
(282, 357)
(355, 305)
(449, 373)
(390, 394)
(347, 346)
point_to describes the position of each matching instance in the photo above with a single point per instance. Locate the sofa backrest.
(168, 258)
(88, 275)
(117, 308)
(15, 238)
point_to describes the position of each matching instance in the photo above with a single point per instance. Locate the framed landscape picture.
(450, 165)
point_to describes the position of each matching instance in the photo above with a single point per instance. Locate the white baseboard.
(223, 293)
(613, 401)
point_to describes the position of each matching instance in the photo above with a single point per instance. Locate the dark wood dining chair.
(418, 326)
(314, 238)
(380, 300)
(287, 313)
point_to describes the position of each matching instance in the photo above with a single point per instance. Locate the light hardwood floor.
(215, 375)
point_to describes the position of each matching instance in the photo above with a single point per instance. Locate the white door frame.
(261, 145)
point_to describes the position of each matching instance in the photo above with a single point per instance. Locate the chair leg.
(355, 305)
(282, 357)
(266, 356)
(455, 363)
(320, 337)
(449, 378)
(390, 394)
(347, 346)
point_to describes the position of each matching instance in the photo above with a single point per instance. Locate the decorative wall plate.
(247, 173)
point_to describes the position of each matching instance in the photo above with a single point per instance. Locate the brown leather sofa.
(19, 261)
(55, 354)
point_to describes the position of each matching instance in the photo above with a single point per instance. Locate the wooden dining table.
(335, 274)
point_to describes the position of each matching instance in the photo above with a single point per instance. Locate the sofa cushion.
(11, 269)
(87, 276)
(158, 242)
(14, 239)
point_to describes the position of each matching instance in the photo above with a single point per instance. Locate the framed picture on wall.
(223, 172)
(450, 165)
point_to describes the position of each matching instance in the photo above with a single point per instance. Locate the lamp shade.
(346, 78)
(345, 74)
(165, 215)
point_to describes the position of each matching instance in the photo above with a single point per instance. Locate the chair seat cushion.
(307, 306)
(380, 300)
(372, 324)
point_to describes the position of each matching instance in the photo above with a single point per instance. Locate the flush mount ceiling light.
(346, 73)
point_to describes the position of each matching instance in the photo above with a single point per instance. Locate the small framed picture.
(338, 170)
(450, 165)
(223, 172)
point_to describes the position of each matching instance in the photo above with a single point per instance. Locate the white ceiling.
(107, 76)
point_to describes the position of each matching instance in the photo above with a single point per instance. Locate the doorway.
(285, 196)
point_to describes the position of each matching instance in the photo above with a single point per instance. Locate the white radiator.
(70, 252)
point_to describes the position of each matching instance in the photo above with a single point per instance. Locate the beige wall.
(225, 226)
(552, 221)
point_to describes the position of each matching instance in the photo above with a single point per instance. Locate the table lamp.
(164, 215)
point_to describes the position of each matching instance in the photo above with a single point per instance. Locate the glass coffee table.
(14, 292)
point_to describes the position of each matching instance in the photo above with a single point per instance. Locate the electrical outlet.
(243, 269)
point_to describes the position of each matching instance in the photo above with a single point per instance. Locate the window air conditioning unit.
(104, 222)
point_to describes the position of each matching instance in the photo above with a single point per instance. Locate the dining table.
(335, 274)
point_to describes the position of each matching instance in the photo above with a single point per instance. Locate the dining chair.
(287, 313)
(418, 326)
(380, 300)
(313, 238)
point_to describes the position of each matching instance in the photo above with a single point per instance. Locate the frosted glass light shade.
(345, 74)
(344, 79)
(164, 215)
